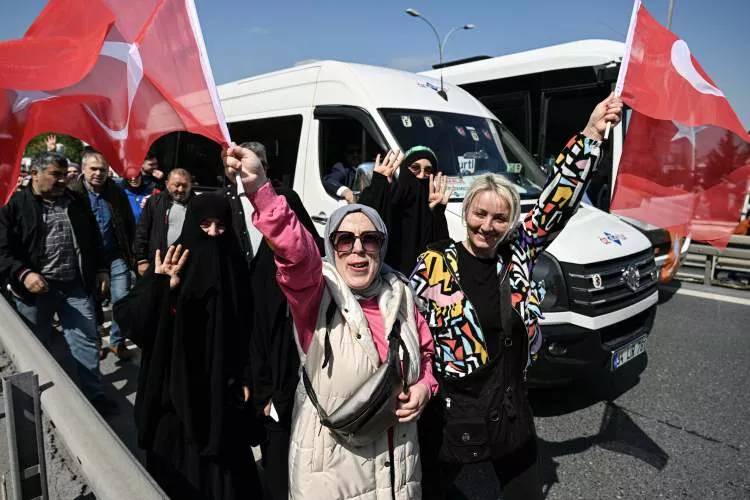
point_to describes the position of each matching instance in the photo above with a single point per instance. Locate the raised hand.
(172, 264)
(390, 164)
(609, 110)
(243, 161)
(440, 193)
(51, 142)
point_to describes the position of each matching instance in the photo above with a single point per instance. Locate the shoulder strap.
(327, 349)
(395, 341)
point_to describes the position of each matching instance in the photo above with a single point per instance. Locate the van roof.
(576, 54)
(343, 83)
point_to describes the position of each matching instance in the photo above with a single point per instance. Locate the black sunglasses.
(343, 241)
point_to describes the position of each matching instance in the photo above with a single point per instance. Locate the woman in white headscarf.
(344, 308)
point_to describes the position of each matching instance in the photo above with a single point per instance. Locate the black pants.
(518, 474)
(275, 450)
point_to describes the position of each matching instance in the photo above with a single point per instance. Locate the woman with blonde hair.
(483, 309)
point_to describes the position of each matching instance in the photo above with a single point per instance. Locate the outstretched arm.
(300, 269)
(569, 178)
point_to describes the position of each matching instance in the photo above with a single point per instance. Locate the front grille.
(603, 287)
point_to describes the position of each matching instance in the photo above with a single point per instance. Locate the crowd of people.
(371, 363)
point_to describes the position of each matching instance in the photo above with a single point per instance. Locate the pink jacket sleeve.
(427, 348)
(300, 269)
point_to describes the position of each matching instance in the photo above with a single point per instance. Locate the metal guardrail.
(23, 415)
(111, 471)
(703, 261)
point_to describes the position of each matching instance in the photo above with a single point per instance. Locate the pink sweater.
(300, 276)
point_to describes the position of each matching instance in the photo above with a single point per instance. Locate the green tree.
(73, 146)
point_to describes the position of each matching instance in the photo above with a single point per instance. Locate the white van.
(599, 273)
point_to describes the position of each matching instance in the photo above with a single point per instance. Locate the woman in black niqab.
(404, 205)
(195, 340)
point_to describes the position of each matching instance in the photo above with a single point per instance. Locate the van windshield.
(466, 146)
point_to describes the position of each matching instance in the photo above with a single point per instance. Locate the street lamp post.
(441, 44)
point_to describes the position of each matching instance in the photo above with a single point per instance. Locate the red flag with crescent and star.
(686, 159)
(117, 74)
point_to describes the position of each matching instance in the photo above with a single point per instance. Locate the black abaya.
(194, 341)
(404, 206)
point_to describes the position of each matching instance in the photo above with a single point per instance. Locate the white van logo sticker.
(428, 121)
(608, 238)
(406, 120)
(473, 133)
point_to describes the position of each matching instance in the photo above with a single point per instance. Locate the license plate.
(628, 352)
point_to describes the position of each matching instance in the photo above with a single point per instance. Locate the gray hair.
(88, 154)
(499, 185)
(44, 160)
(181, 172)
(260, 151)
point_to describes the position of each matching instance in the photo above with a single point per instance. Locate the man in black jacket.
(162, 217)
(274, 359)
(51, 257)
(116, 224)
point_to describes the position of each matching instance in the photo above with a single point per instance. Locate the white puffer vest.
(320, 467)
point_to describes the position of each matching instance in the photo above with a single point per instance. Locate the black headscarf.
(405, 208)
(211, 326)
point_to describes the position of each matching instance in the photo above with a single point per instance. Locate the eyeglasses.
(416, 169)
(343, 241)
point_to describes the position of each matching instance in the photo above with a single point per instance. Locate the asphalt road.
(674, 423)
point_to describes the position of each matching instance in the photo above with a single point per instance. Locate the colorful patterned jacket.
(460, 345)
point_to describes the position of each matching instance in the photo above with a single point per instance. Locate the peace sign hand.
(390, 164)
(440, 193)
(173, 262)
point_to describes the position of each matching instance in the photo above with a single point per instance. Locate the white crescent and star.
(683, 64)
(127, 53)
(686, 131)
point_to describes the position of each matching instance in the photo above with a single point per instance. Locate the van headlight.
(548, 275)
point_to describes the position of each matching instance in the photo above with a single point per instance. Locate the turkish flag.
(117, 74)
(686, 159)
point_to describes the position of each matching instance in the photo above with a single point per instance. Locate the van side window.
(559, 110)
(196, 154)
(514, 109)
(344, 146)
(280, 136)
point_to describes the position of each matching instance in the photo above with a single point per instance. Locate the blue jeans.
(119, 286)
(75, 308)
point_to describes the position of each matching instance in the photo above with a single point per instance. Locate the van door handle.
(321, 218)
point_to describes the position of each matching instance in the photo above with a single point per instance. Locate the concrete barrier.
(111, 471)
